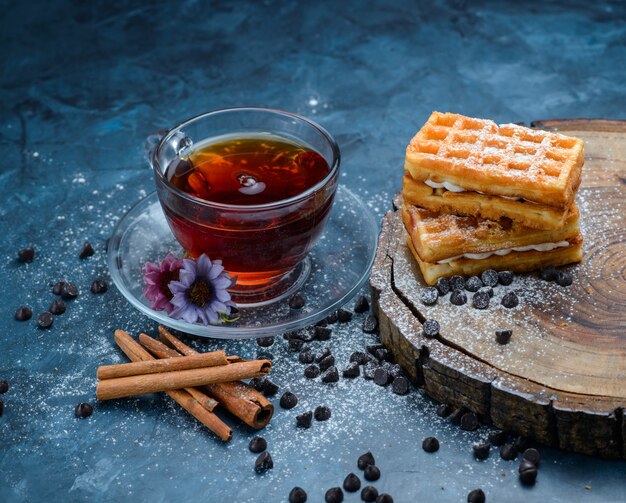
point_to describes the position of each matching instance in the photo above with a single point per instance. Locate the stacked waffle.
(480, 196)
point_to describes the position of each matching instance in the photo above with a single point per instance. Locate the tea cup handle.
(152, 141)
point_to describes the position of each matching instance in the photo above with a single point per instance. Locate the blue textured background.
(83, 83)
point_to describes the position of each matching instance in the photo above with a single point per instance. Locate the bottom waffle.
(516, 261)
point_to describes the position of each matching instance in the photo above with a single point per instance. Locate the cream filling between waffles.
(505, 251)
(455, 188)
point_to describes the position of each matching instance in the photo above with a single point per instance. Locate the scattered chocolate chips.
(369, 493)
(4, 386)
(26, 254)
(489, 277)
(383, 355)
(510, 300)
(370, 324)
(549, 273)
(476, 496)
(488, 290)
(352, 483)
(304, 420)
(480, 300)
(564, 278)
(332, 318)
(365, 460)
(521, 443)
(457, 283)
(369, 369)
(295, 344)
(331, 375)
(371, 473)
(481, 451)
(44, 320)
(83, 410)
(430, 444)
(455, 417)
(86, 251)
(296, 302)
(306, 356)
(360, 357)
(384, 498)
(312, 371)
(269, 388)
(344, 316)
(430, 328)
(381, 377)
(497, 437)
(458, 297)
(469, 421)
(288, 400)
(429, 296)
(23, 313)
(322, 354)
(395, 370)
(530, 454)
(334, 495)
(263, 463)
(257, 444)
(265, 342)
(257, 383)
(322, 413)
(503, 336)
(326, 363)
(57, 307)
(527, 472)
(505, 278)
(297, 495)
(508, 452)
(443, 410)
(400, 385)
(69, 291)
(361, 305)
(322, 333)
(99, 285)
(57, 289)
(473, 284)
(352, 370)
(443, 286)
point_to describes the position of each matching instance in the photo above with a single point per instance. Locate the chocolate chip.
(304, 420)
(508, 452)
(69, 291)
(257, 383)
(443, 286)
(296, 302)
(473, 284)
(497, 437)
(469, 421)
(521, 443)
(455, 417)
(322, 333)
(384, 498)
(288, 400)
(531, 455)
(476, 496)
(489, 277)
(430, 328)
(312, 371)
(86, 251)
(257, 444)
(360, 357)
(429, 296)
(57, 307)
(480, 300)
(505, 278)
(263, 463)
(26, 254)
(269, 388)
(344, 316)
(361, 305)
(395, 370)
(381, 377)
(443, 410)
(369, 493)
(83, 410)
(306, 356)
(400, 385)
(481, 451)
(331, 375)
(564, 279)
(332, 318)
(370, 324)
(371, 473)
(527, 472)
(383, 355)
(322, 354)
(457, 283)
(430, 444)
(369, 369)
(99, 285)
(44, 320)
(488, 290)
(326, 363)
(334, 495)
(503, 336)
(352, 370)
(295, 344)
(549, 273)
(365, 460)
(4, 386)
(322, 413)
(510, 300)
(297, 495)
(57, 289)
(23, 313)
(352, 483)
(458, 297)
(265, 342)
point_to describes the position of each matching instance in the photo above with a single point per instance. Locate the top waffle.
(506, 160)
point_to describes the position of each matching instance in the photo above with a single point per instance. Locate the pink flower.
(156, 277)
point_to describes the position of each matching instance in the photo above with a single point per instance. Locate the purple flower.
(200, 294)
(156, 278)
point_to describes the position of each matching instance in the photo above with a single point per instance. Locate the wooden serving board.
(561, 379)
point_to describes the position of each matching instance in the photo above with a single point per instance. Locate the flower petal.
(215, 271)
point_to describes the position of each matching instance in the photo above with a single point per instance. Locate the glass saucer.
(339, 265)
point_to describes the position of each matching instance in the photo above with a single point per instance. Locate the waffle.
(441, 236)
(529, 214)
(506, 160)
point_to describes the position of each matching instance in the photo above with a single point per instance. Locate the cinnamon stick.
(189, 402)
(238, 398)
